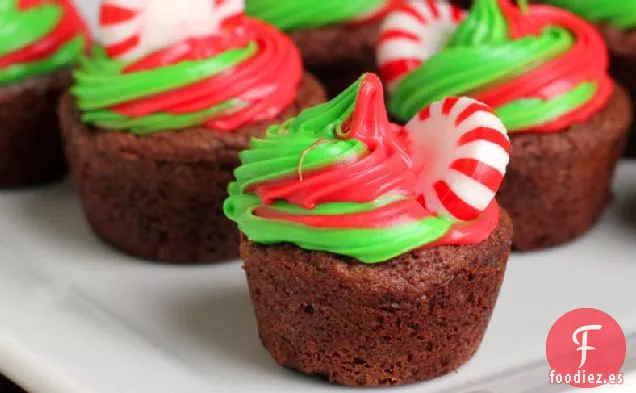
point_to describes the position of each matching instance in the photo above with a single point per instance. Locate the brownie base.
(161, 197)
(338, 54)
(30, 144)
(415, 317)
(622, 45)
(558, 184)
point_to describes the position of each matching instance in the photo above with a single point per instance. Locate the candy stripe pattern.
(413, 33)
(131, 29)
(461, 150)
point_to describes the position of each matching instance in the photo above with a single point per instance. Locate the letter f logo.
(584, 348)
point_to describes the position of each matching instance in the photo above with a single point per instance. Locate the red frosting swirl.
(559, 75)
(268, 81)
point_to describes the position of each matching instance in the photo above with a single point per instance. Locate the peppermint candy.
(412, 34)
(460, 150)
(132, 29)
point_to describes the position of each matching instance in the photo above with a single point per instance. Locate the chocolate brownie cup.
(368, 261)
(566, 117)
(336, 39)
(389, 324)
(160, 197)
(34, 62)
(571, 198)
(151, 167)
(30, 143)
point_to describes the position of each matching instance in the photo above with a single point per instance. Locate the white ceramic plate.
(78, 317)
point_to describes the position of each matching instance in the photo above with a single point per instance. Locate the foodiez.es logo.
(586, 348)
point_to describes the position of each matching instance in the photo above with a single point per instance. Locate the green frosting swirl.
(619, 13)
(480, 54)
(277, 156)
(101, 84)
(19, 29)
(304, 14)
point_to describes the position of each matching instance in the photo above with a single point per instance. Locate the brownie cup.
(415, 317)
(35, 63)
(364, 264)
(558, 184)
(160, 197)
(567, 119)
(30, 144)
(152, 130)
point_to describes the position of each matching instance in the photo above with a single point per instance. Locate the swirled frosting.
(340, 178)
(619, 13)
(247, 73)
(38, 37)
(303, 14)
(541, 69)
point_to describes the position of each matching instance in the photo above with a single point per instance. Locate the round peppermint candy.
(412, 34)
(132, 29)
(460, 149)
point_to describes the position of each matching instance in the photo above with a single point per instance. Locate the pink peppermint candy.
(413, 33)
(460, 150)
(131, 29)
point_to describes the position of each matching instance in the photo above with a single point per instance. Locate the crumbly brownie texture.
(622, 46)
(558, 184)
(30, 145)
(338, 54)
(416, 317)
(161, 197)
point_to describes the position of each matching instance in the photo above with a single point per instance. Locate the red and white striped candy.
(461, 151)
(412, 34)
(131, 29)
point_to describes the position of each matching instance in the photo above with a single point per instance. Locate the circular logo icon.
(586, 348)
